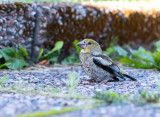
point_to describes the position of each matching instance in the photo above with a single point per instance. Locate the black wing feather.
(108, 65)
(108, 68)
(130, 77)
(112, 69)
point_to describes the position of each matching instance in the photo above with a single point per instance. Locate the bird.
(98, 65)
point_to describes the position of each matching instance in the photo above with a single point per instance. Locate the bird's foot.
(90, 80)
(104, 81)
(112, 80)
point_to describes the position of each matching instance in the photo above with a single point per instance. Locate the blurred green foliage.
(120, 51)
(111, 97)
(53, 55)
(143, 97)
(77, 47)
(40, 54)
(146, 97)
(142, 58)
(50, 112)
(70, 60)
(3, 79)
(73, 58)
(13, 58)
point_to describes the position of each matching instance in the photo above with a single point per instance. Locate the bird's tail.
(130, 77)
(123, 75)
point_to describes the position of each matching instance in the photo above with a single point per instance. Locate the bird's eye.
(89, 43)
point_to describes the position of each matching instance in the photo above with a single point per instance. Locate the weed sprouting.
(72, 82)
(143, 97)
(111, 97)
(2, 80)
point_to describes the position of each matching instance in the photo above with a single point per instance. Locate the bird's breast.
(85, 60)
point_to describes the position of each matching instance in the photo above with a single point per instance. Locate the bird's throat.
(85, 50)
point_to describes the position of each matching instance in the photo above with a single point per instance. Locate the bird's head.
(89, 45)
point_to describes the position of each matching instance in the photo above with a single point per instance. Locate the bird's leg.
(115, 79)
(119, 75)
(90, 80)
(104, 81)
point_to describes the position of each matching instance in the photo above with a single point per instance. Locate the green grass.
(71, 82)
(50, 112)
(111, 97)
(88, 105)
(142, 98)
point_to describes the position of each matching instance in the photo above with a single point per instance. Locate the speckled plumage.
(98, 65)
(92, 70)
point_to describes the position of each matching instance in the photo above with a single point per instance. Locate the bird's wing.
(103, 61)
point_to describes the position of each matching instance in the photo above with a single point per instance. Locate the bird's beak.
(82, 44)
